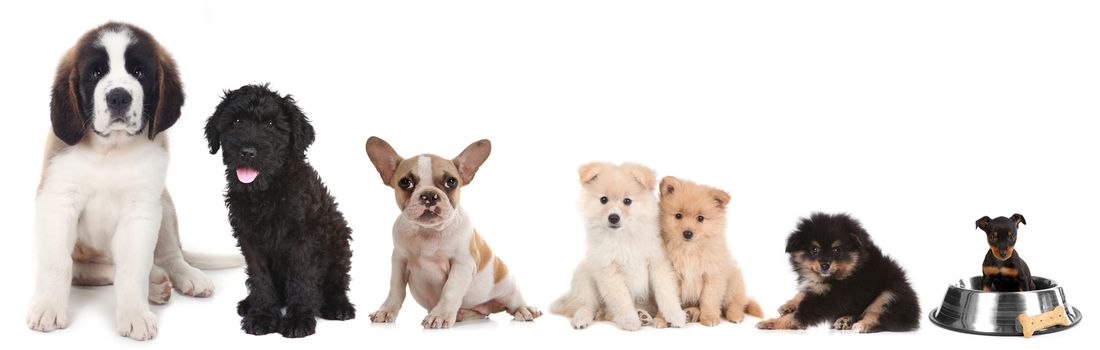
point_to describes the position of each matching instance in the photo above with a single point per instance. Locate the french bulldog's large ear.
(1019, 219)
(169, 92)
(983, 223)
(66, 115)
(383, 156)
(643, 175)
(669, 185)
(301, 132)
(471, 159)
(589, 172)
(722, 198)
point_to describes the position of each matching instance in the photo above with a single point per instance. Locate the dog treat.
(1032, 324)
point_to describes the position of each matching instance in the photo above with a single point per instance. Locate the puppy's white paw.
(47, 317)
(138, 325)
(441, 320)
(581, 321)
(677, 318)
(160, 289)
(190, 281)
(526, 313)
(383, 316)
(629, 323)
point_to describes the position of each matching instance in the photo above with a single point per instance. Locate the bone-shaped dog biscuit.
(1032, 324)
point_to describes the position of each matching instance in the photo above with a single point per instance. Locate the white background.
(916, 117)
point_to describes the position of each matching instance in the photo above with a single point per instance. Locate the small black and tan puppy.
(293, 238)
(1003, 269)
(845, 279)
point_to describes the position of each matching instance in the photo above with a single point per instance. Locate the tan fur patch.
(845, 269)
(480, 251)
(878, 306)
(990, 270)
(499, 270)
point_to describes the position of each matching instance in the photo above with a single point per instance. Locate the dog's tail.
(205, 261)
(753, 308)
(564, 306)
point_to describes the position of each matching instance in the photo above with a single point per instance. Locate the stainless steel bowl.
(966, 308)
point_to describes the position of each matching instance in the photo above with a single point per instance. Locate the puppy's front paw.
(137, 325)
(864, 327)
(735, 315)
(710, 319)
(660, 322)
(629, 323)
(298, 326)
(47, 317)
(160, 289)
(580, 321)
(441, 320)
(192, 282)
(787, 308)
(526, 313)
(383, 316)
(843, 323)
(340, 311)
(260, 324)
(677, 318)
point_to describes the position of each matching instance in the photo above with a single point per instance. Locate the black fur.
(871, 274)
(295, 241)
(1012, 273)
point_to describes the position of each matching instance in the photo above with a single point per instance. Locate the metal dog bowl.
(966, 308)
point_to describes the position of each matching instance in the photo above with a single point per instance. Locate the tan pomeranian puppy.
(693, 226)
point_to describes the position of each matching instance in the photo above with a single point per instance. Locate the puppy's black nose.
(248, 152)
(688, 234)
(825, 266)
(118, 100)
(429, 198)
(613, 219)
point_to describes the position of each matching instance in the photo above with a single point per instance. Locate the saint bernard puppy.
(103, 215)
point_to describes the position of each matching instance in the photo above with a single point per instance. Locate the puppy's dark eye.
(603, 200)
(627, 201)
(836, 250)
(237, 121)
(270, 123)
(405, 184)
(814, 251)
(699, 218)
(138, 72)
(450, 183)
(679, 216)
(96, 73)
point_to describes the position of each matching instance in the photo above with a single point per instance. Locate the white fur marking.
(117, 76)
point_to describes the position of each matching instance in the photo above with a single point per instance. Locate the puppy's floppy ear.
(722, 198)
(471, 159)
(68, 119)
(213, 137)
(383, 156)
(589, 172)
(669, 185)
(301, 132)
(169, 92)
(983, 223)
(643, 175)
(1019, 219)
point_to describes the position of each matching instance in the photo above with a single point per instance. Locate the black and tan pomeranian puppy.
(845, 279)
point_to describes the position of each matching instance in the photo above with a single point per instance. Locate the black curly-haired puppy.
(292, 236)
(845, 279)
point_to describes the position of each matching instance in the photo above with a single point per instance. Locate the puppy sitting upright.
(448, 267)
(625, 275)
(845, 279)
(294, 240)
(693, 225)
(1003, 269)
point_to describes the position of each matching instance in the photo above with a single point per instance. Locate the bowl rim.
(1054, 285)
(1072, 322)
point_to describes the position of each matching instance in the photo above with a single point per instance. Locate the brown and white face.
(691, 212)
(427, 186)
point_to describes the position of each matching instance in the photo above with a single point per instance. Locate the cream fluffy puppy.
(625, 270)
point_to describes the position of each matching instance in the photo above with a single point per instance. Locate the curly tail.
(205, 261)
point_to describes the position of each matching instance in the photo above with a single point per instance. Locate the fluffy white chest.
(105, 186)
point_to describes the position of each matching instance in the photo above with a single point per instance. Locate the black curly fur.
(873, 273)
(294, 240)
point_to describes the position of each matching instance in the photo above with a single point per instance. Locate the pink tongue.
(247, 175)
